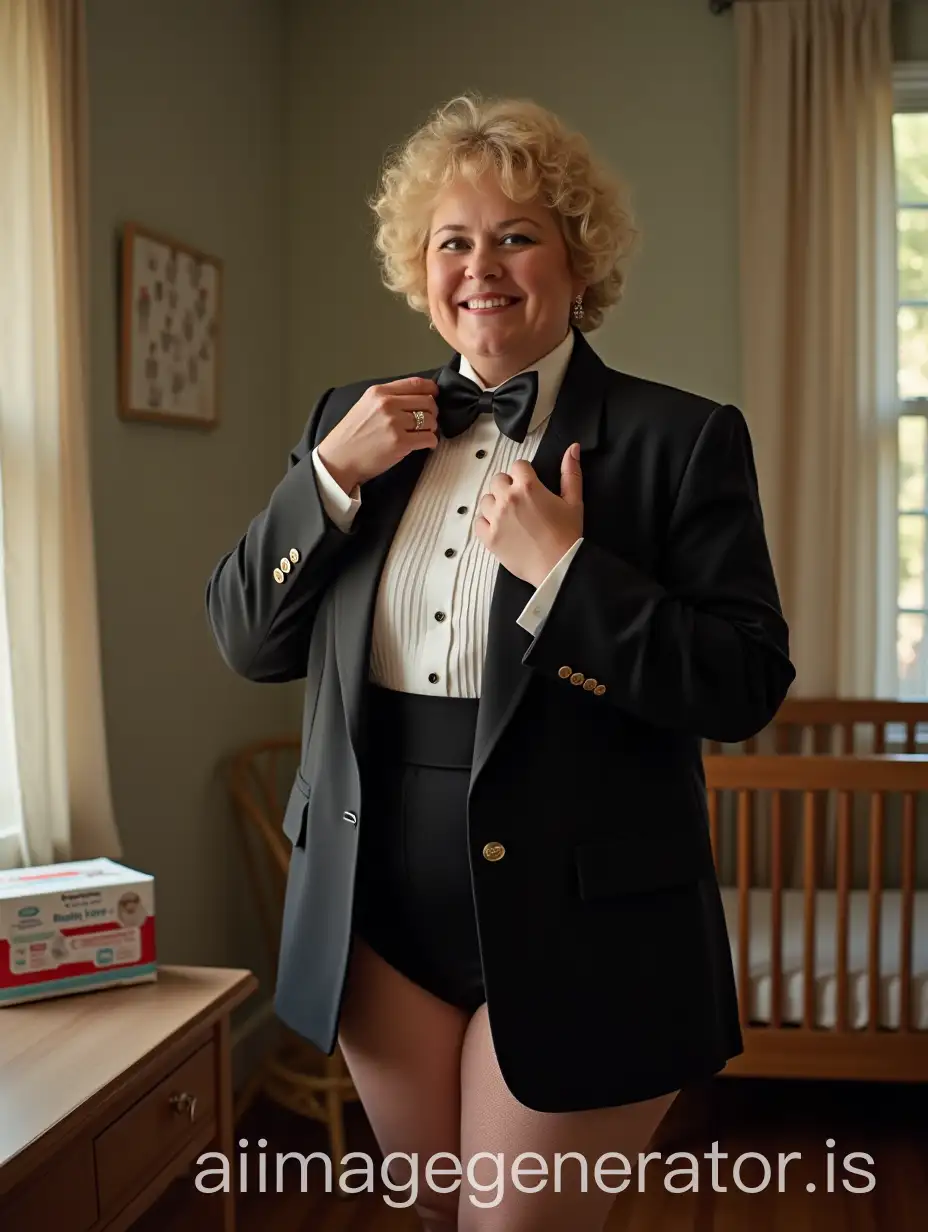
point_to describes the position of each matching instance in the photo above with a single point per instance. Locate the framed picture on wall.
(171, 315)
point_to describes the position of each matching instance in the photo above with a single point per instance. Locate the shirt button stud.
(449, 552)
(462, 509)
(481, 453)
(433, 677)
(439, 615)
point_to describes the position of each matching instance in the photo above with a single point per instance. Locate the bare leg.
(402, 1047)
(494, 1121)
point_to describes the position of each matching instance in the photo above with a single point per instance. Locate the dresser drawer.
(63, 1196)
(131, 1151)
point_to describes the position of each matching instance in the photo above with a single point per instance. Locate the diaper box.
(73, 927)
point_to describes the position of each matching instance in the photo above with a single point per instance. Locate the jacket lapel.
(576, 417)
(383, 501)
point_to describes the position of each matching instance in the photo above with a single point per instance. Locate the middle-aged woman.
(520, 589)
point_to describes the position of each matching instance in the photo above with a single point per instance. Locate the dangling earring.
(431, 323)
(577, 311)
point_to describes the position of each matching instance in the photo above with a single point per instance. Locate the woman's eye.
(521, 239)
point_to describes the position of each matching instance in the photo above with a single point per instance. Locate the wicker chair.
(295, 1074)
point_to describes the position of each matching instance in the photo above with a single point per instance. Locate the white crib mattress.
(826, 980)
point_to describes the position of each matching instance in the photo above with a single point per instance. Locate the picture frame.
(171, 331)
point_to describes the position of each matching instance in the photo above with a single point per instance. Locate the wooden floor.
(888, 1123)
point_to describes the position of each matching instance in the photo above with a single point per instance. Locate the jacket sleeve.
(704, 648)
(262, 597)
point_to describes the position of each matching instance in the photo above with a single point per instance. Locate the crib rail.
(786, 777)
(834, 725)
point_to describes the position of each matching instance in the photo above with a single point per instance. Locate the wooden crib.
(820, 844)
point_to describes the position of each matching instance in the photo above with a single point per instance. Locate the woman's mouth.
(484, 305)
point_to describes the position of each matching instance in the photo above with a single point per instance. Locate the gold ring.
(420, 416)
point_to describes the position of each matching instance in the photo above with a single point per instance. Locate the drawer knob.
(184, 1102)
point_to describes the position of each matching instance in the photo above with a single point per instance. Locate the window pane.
(913, 352)
(912, 431)
(912, 561)
(912, 233)
(910, 647)
(910, 137)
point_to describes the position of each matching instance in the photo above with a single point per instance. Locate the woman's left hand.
(526, 526)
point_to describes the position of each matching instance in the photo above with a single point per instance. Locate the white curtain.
(54, 775)
(817, 268)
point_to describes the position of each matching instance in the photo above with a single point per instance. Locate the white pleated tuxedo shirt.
(432, 609)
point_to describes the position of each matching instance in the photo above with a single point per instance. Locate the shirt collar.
(550, 368)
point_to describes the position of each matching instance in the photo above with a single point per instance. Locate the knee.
(438, 1212)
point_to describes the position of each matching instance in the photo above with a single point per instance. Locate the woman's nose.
(483, 263)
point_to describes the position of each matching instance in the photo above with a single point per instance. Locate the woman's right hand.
(380, 430)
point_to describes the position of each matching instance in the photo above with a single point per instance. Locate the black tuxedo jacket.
(607, 965)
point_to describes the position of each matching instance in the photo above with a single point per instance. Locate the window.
(910, 147)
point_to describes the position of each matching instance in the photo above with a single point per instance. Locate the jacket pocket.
(294, 823)
(629, 866)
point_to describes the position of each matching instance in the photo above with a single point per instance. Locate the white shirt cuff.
(533, 615)
(340, 506)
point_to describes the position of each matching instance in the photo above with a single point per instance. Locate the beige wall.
(910, 30)
(186, 135)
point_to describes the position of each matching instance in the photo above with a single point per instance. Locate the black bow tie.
(460, 401)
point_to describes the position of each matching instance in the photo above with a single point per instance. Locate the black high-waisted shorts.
(413, 899)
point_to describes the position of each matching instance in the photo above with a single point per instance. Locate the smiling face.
(498, 277)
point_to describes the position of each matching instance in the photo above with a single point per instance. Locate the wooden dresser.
(107, 1096)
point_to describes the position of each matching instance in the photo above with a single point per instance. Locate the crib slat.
(809, 882)
(877, 818)
(745, 799)
(847, 746)
(776, 911)
(713, 802)
(843, 877)
(879, 737)
(906, 1022)
(910, 736)
(823, 742)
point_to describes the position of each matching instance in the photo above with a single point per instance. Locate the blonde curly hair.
(535, 156)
